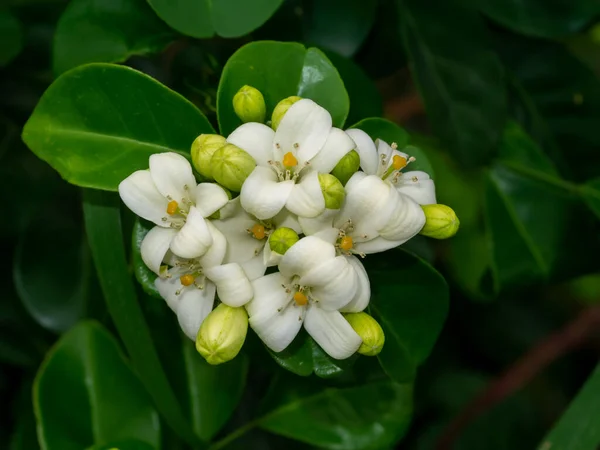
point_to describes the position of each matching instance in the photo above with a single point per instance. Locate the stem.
(235, 434)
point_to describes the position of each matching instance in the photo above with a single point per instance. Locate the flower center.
(287, 169)
(289, 160)
(172, 207)
(300, 298)
(258, 231)
(393, 168)
(187, 279)
(176, 212)
(346, 243)
(399, 162)
(188, 271)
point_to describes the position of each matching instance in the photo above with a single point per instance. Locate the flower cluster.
(286, 252)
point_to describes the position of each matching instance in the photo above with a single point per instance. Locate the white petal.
(305, 124)
(167, 289)
(210, 198)
(140, 195)
(384, 153)
(306, 198)
(231, 209)
(171, 173)
(194, 306)
(406, 220)
(194, 238)
(418, 186)
(216, 252)
(363, 291)
(304, 255)
(256, 139)
(270, 258)
(354, 181)
(339, 289)
(272, 314)
(324, 221)
(242, 245)
(365, 147)
(233, 286)
(377, 245)
(288, 220)
(254, 267)
(332, 332)
(155, 245)
(330, 235)
(263, 195)
(337, 145)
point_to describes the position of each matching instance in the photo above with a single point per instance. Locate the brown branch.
(528, 366)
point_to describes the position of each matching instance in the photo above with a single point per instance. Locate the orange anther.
(172, 207)
(258, 231)
(187, 279)
(399, 162)
(300, 299)
(346, 243)
(289, 160)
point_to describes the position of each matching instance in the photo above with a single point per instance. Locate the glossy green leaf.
(390, 132)
(203, 18)
(53, 285)
(280, 70)
(103, 226)
(370, 416)
(96, 124)
(460, 80)
(409, 299)
(304, 356)
(339, 25)
(11, 37)
(127, 444)
(106, 31)
(542, 18)
(579, 427)
(85, 394)
(143, 275)
(591, 193)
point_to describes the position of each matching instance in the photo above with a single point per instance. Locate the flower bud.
(222, 334)
(333, 191)
(347, 167)
(440, 222)
(249, 105)
(369, 331)
(231, 166)
(282, 239)
(203, 148)
(281, 109)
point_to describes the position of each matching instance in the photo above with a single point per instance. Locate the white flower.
(189, 285)
(288, 161)
(247, 237)
(167, 195)
(312, 287)
(387, 163)
(374, 217)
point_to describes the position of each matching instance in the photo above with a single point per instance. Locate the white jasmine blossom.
(385, 161)
(311, 288)
(289, 160)
(167, 194)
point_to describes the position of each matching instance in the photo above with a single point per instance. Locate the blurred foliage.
(502, 99)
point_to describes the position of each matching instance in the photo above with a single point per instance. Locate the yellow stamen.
(289, 160)
(399, 162)
(172, 207)
(300, 299)
(258, 231)
(187, 279)
(346, 243)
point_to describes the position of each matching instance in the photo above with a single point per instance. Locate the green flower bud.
(203, 148)
(231, 166)
(369, 331)
(333, 191)
(222, 334)
(249, 105)
(282, 239)
(347, 167)
(281, 109)
(440, 222)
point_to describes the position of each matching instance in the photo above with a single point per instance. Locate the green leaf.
(591, 193)
(96, 124)
(579, 427)
(54, 284)
(541, 18)
(85, 394)
(127, 444)
(203, 18)
(409, 299)
(460, 80)
(304, 356)
(339, 25)
(389, 132)
(103, 226)
(143, 275)
(365, 417)
(11, 37)
(280, 70)
(106, 31)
